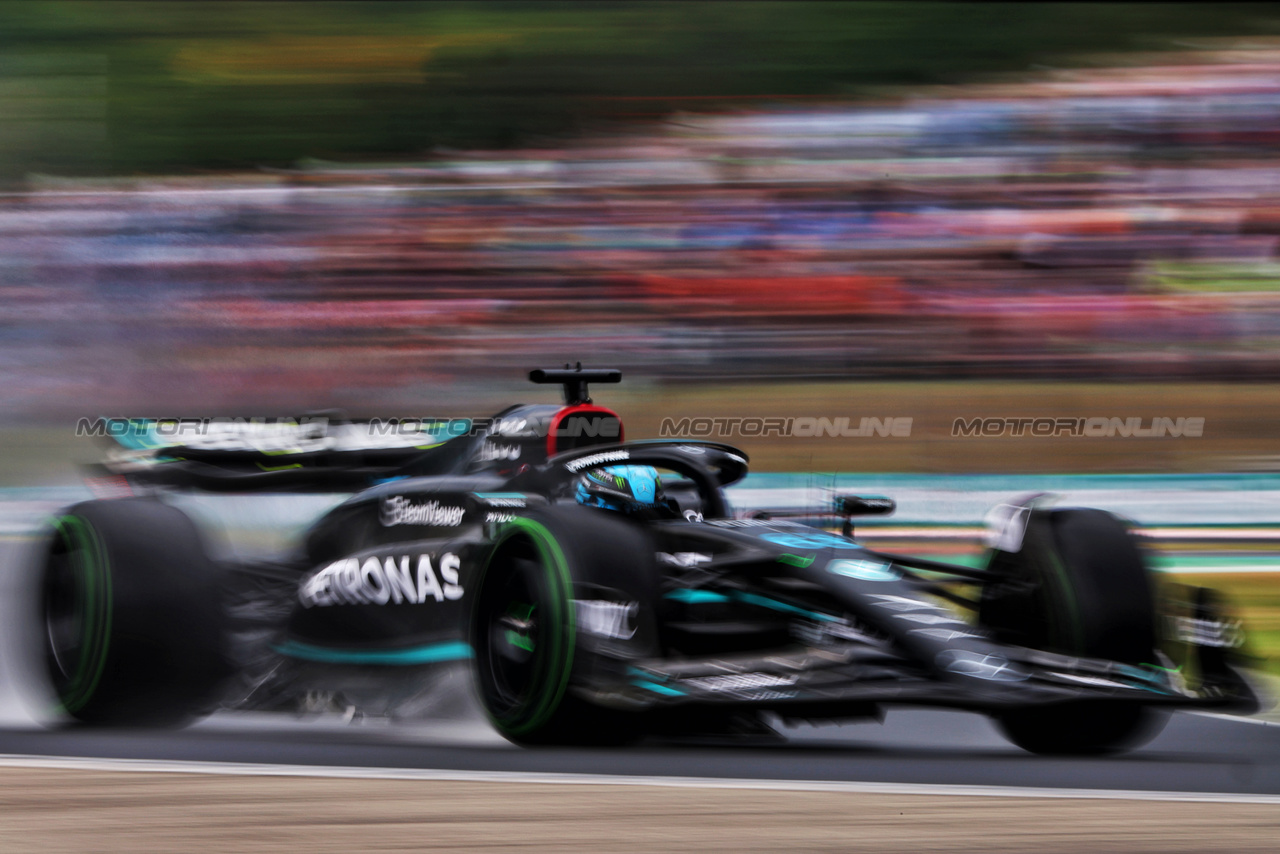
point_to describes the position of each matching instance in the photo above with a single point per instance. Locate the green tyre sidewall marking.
(89, 561)
(559, 661)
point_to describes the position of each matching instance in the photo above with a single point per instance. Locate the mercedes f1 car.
(600, 591)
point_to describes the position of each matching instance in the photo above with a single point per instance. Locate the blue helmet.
(626, 489)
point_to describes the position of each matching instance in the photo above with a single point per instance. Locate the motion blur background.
(920, 210)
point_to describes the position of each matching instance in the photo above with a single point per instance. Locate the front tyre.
(131, 615)
(524, 631)
(1079, 586)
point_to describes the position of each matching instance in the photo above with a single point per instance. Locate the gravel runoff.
(56, 810)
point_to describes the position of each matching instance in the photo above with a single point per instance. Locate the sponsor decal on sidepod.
(398, 510)
(382, 581)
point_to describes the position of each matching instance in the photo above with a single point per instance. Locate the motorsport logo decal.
(398, 510)
(607, 619)
(990, 666)
(382, 581)
(864, 570)
(503, 499)
(494, 451)
(684, 560)
(497, 503)
(597, 459)
(809, 541)
(746, 686)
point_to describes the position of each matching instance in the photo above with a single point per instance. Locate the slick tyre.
(524, 630)
(130, 608)
(1079, 586)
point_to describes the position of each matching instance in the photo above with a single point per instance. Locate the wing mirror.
(849, 506)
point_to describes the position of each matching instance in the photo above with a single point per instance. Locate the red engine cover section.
(581, 426)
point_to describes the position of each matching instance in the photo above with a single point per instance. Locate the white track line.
(429, 774)
(1236, 718)
(1243, 569)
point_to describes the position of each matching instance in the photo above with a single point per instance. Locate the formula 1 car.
(595, 603)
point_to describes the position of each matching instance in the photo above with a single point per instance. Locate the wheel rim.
(523, 630)
(514, 635)
(64, 605)
(76, 612)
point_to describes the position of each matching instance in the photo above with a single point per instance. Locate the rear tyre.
(1078, 586)
(524, 631)
(130, 607)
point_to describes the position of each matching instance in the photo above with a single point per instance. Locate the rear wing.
(311, 453)
(326, 451)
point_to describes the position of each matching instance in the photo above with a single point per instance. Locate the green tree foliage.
(128, 87)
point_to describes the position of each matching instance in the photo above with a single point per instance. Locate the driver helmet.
(624, 489)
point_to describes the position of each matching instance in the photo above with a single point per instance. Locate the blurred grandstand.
(1116, 222)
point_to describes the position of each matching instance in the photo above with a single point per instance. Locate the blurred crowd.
(1106, 222)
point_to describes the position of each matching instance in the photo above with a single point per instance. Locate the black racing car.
(595, 602)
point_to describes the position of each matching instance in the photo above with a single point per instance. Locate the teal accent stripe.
(699, 597)
(696, 597)
(428, 654)
(658, 689)
(774, 604)
(136, 436)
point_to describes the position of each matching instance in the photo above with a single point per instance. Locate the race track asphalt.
(1194, 754)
